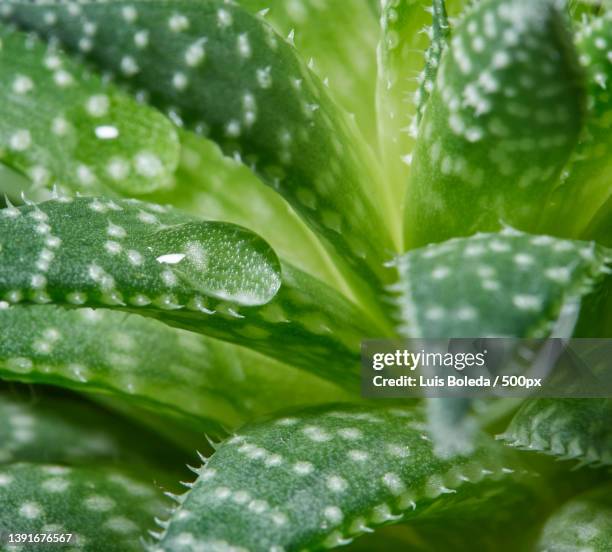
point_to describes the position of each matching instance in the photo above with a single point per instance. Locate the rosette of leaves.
(210, 204)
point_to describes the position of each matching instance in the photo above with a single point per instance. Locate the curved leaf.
(68, 467)
(503, 117)
(215, 382)
(93, 505)
(516, 516)
(414, 34)
(225, 73)
(130, 248)
(85, 135)
(321, 477)
(340, 38)
(209, 277)
(43, 428)
(571, 429)
(586, 182)
(494, 285)
(583, 523)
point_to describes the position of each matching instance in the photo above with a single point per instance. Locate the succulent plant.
(210, 204)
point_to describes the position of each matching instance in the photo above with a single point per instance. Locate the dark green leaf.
(322, 477)
(62, 125)
(68, 467)
(503, 117)
(94, 505)
(90, 251)
(508, 284)
(225, 73)
(214, 382)
(209, 277)
(586, 184)
(493, 285)
(43, 428)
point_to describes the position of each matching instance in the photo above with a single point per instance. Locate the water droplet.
(220, 260)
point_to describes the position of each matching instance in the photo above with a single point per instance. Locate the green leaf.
(340, 38)
(570, 429)
(586, 183)
(492, 285)
(583, 523)
(68, 467)
(95, 505)
(209, 277)
(507, 284)
(41, 427)
(89, 251)
(220, 71)
(85, 135)
(12, 183)
(401, 50)
(414, 34)
(440, 35)
(503, 117)
(511, 525)
(212, 382)
(322, 477)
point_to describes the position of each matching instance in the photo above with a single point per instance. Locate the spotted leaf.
(570, 429)
(212, 382)
(586, 183)
(209, 277)
(322, 477)
(493, 285)
(223, 72)
(508, 284)
(93, 505)
(151, 249)
(583, 523)
(86, 135)
(504, 115)
(69, 467)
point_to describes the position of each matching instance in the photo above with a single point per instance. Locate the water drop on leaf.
(207, 259)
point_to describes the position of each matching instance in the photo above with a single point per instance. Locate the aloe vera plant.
(209, 204)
